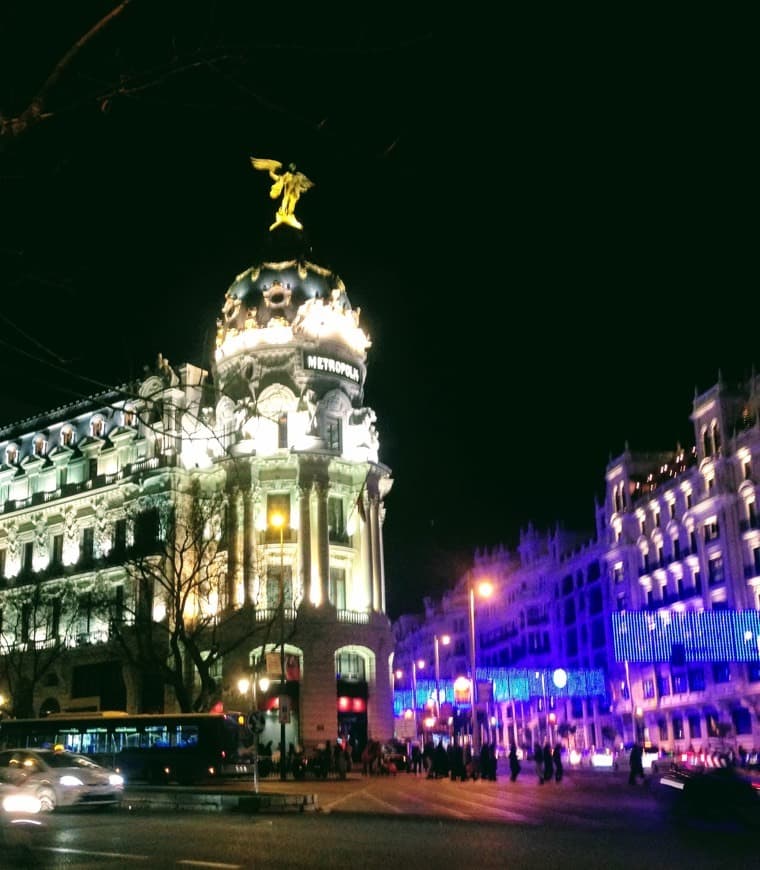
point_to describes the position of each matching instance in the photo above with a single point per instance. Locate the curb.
(250, 804)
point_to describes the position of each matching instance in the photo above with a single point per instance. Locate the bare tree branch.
(35, 112)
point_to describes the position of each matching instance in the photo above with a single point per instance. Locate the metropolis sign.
(316, 363)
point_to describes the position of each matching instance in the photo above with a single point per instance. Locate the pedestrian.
(514, 763)
(557, 759)
(636, 764)
(538, 758)
(416, 759)
(548, 765)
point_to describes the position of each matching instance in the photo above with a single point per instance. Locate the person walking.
(514, 763)
(637, 764)
(548, 765)
(557, 759)
(538, 758)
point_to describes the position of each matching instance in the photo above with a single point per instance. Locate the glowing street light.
(484, 589)
(277, 521)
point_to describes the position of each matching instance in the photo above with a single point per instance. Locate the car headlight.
(70, 779)
(21, 803)
(115, 779)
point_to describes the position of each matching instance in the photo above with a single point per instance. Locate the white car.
(59, 778)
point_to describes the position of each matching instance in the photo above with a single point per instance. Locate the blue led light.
(704, 636)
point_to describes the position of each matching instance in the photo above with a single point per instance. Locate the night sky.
(550, 226)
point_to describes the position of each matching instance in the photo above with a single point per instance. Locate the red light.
(344, 704)
(359, 705)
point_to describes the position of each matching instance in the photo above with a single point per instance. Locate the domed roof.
(288, 298)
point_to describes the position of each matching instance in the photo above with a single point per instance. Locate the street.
(591, 819)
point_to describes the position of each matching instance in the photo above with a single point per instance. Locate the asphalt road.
(588, 820)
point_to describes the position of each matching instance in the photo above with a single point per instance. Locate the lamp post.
(277, 521)
(445, 639)
(415, 665)
(485, 588)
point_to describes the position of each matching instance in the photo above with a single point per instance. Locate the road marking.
(187, 862)
(124, 855)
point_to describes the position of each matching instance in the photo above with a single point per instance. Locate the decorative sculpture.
(289, 184)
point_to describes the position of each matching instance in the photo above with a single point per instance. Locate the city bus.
(184, 748)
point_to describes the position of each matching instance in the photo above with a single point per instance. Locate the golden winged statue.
(290, 184)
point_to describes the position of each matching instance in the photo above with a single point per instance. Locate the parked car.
(57, 778)
(394, 753)
(651, 758)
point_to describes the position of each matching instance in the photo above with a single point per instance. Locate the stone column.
(304, 538)
(374, 526)
(365, 555)
(234, 548)
(249, 546)
(323, 542)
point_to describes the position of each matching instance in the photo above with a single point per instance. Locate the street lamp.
(277, 521)
(415, 665)
(485, 588)
(445, 640)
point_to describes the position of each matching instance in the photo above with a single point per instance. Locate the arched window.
(67, 436)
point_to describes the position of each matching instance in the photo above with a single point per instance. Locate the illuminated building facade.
(665, 598)
(275, 427)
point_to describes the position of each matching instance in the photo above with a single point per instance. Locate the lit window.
(67, 436)
(97, 427)
(129, 416)
(39, 446)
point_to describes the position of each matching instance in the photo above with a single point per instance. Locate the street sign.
(284, 709)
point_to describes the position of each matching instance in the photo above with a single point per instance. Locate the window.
(680, 685)
(662, 726)
(571, 643)
(67, 436)
(278, 503)
(693, 541)
(336, 523)
(282, 431)
(677, 728)
(715, 571)
(11, 454)
(657, 519)
(338, 587)
(695, 729)
(672, 509)
(621, 601)
(273, 586)
(721, 672)
(597, 633)
(689, 500)
(567, 584)
(663, 685)
(27, 556)
(696, 679)
(97, 427)
(333, 434)
(88, 542)
(130, 417)
(56, 557)
(676, 549)
(120, 536)
(648, 688)
(712, 530)
(3, 557)
(617, 573)
(753, 672)
(349, 667)
(643, 526)
(40, 446)
(747, 469)
(595, 600)
(569, 611)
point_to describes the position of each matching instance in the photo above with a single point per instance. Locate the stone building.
(274, 430)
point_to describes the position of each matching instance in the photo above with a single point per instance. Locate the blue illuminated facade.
(689, 636)
(663, 601)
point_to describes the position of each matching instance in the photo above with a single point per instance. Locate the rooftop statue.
(290, 184)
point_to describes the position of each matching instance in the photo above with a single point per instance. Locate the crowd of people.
(457, 762)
